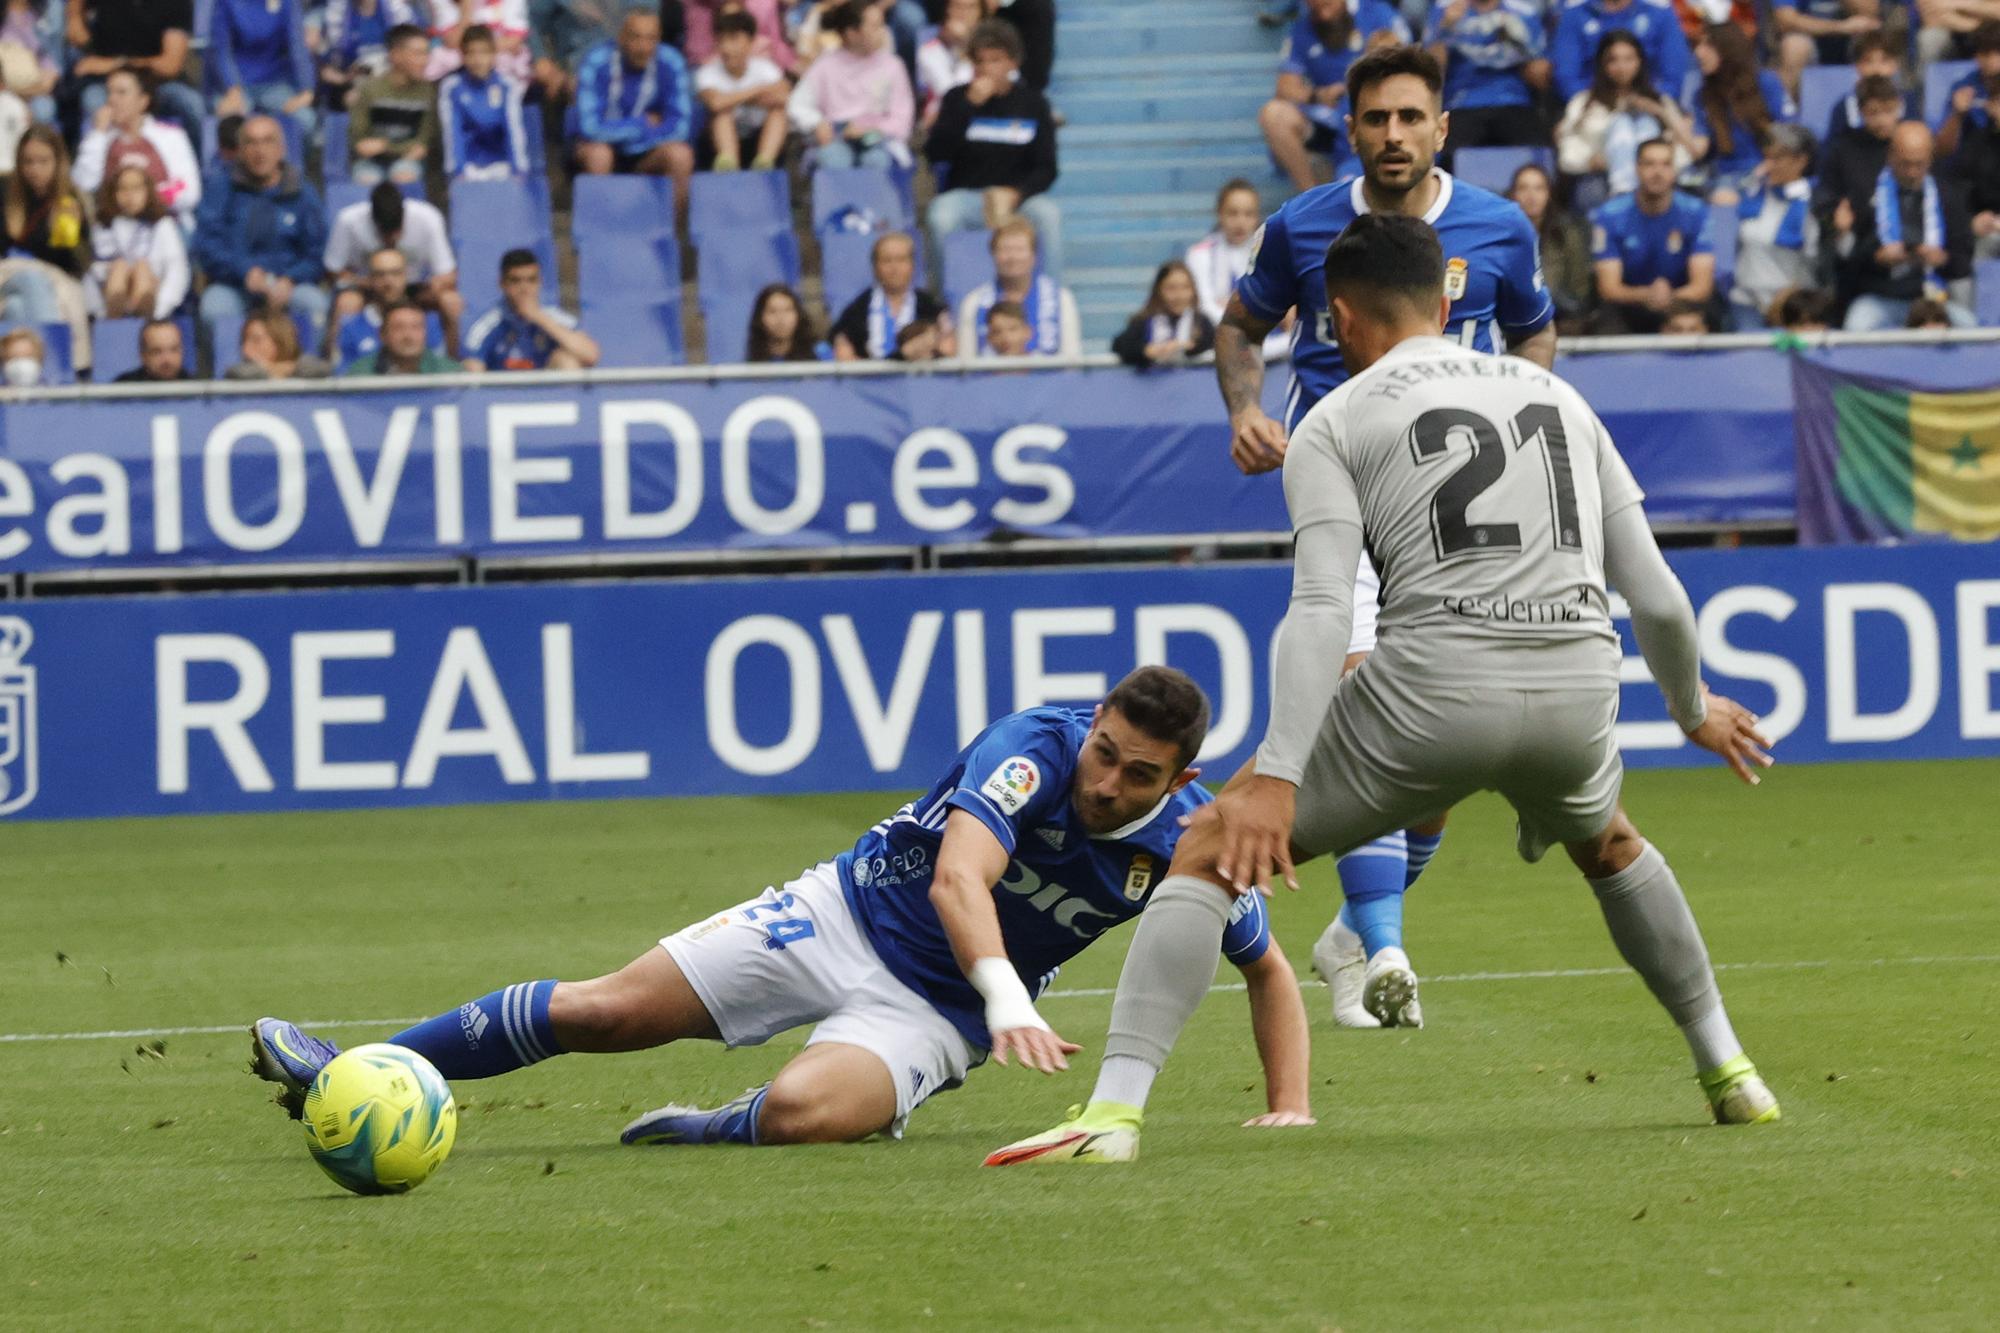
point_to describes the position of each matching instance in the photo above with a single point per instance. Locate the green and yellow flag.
(1880, 460)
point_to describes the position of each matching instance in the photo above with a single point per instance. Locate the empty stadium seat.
(967, 263)
(1821, 89)
(1493, 168)
(58, 365)
(333, 147)
(489, 218)
(628, 268)
(1986, 302)
(1722, 231)
(115, 347)
(622, 207)
(1938, 79)
(722, 204)
(884, 193)
(729, 278)
(635, 333)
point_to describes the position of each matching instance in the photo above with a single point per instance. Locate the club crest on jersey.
(1013, 783)
(1454, 279)
(1673, 242)
(19, 769)
(1139, 878)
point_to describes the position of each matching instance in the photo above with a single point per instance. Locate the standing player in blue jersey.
(918, 951)
(1493, 275)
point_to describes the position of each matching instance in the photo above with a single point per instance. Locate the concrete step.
(1076, 140)
(1142, 34)
(1080, 70)
(1151, 173)
(1149, 247)
(1236, 102)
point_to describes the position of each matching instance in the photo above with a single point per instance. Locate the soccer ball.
(379, 1119)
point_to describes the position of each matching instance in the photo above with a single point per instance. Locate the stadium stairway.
(1159, 100)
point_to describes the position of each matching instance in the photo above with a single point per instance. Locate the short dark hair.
(842, 18)
(1385, 258)
(995, 35)
(1232, 186)
(1801, 305)
(1985, 37)
(914, 330)
(1657, 141)
(1385, 63)
(228, 131)
(405, 32)
(1926, 312)
(1685, 307)
(152, 324)
(1872, 43)
(1011, 309)
(735, 23)
(385, 209)
(405, 304)
(1166, 704)
(478, 32)
(1877, 88)
(519, 257)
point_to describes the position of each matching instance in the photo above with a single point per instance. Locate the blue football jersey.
(1493, 274)
(1063, 886)
(1650, 246)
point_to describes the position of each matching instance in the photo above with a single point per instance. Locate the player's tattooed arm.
(1538, 347)
(1256, 443)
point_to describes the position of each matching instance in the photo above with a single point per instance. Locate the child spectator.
(854, 102)
(1605, 123)
(1735, 104)
(258, 60)
(1686, 318)
(23, 358)
(520, 333)
(634, 111)
(1928, 314)
(1305, 115)
(1816, 32)
(414, 228)
(918, 340)
(868, 328)
(269, 348)
(1967, 112)
(151, 36)
(1170, 329)
(360, 333)
(405, 348)
(48, 224)
(745, 96)
(1006, 331)
(162, 355)
(996, 137)
(1492, 53)
(356, 41)
(1777, 237)
(479, 110)
(779, 330)
(36, 27)
(1851, 161)
(1653, 247)
(1218, 259)
(1875, 56)
(506, 20)
(767, 31)
(1801, 310)
(944, 61)
(1035, 21)
(1565, 246)
(392, 128)
(142, 262)
(1581, 30)
(1053, 326)
(260, 233)
(125, 133)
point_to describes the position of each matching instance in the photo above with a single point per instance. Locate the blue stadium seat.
(333, 148)
(626, 271)
(538, 149)
(967, 263)
(114, 347)
(622, 207)
(1986, 301)
(225, 335)
(729, 278)
(1493, 168)
(58, 364)
(727, 204)
(1722, 230)
(884, 193)
(1938, 79)
(635, 334)
(489, 218)
(1821, 89)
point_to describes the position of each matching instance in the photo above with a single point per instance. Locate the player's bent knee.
(798, 1110)
(1618, 846)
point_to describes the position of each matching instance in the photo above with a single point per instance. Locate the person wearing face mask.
(21, 358)
(48, 225)
(1170, 329)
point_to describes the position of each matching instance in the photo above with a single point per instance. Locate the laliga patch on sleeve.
(1013, 783)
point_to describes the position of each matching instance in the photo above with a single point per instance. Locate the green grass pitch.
(1537, 1158)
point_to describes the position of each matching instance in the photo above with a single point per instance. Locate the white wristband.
(1007, 1002)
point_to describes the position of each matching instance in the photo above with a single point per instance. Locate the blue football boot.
(732, 1122)
(281, 1054)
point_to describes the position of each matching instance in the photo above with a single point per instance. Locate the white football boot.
(1389, 990)
(1343, 965)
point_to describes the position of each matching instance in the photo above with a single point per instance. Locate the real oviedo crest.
(18, 768)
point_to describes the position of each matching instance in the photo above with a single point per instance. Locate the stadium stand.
(1494, 168)
(489, 218)
(629, 268)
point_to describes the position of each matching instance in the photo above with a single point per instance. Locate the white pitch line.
(1096, 992)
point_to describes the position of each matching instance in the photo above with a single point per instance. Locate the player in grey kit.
(1495, 507)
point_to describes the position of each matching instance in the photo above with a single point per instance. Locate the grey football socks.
(1169, 969)
(1655, 933)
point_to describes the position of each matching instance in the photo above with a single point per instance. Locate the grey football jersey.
(1481, 484)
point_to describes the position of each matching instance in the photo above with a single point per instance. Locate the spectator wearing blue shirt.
(520, 333)
(259, 234)
(388, 284)
(1652, 23)
(1734, 105)
(1492, 53)
(1307, 114)
(1817, 32)
(634, 110)
(258, 60)
(1652, 247)
(479, 110)
(355, 38)
(1966, 111)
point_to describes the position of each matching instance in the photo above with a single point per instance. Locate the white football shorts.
(796, 955)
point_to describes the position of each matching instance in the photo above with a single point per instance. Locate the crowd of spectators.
(1658, 133)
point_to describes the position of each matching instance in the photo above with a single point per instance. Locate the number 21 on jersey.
(1452, 533)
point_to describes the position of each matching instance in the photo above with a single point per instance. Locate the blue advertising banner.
(540, 468)
(164, 705)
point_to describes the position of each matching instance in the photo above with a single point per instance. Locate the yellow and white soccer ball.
(380, 1119)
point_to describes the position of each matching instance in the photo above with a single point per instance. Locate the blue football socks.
(1372, 881)
(495, 1034)
(1422, 847)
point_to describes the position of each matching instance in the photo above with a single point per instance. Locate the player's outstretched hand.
(1038, 1048)
(1256, 819)
(1280, 1120)
(1256, 443)
(1730, 730)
